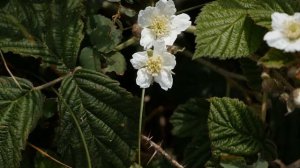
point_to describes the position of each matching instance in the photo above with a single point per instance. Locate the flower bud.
(296, 97)
(136, 30)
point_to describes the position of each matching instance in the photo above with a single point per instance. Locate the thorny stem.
(7, 69)
(140, 125)
(162, 152)
(127, 43)
(47, 155)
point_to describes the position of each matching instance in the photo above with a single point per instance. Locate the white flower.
(156, 66)
(161, 23)
(286, 32)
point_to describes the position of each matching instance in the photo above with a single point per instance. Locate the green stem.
(88, 158)
(125, 44)
(189, 9)
(191, 29)
(140, 126)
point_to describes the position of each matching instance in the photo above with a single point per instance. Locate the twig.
(217, 69)
(283, 80)
(127, 43)
(47, 155)
(162, 152)
(264, 106)
(7, 69)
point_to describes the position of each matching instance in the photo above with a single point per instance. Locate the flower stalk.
(140, 125)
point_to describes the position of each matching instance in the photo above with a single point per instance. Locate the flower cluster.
(160, 27)
(286, 32)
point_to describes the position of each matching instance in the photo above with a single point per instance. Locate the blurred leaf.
(107, 115)
(49, 107)
(190, 119)
(103, 33)
(235, 129)
(252, 72)
(20, 110)
(276, 59)
(88, 60)
(262, 10)
(224, 31)
(116, 63)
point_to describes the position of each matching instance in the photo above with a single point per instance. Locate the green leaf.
(41, 161)
(262, 10)
(64, 33)
(276, 59)
(20, 110)
(103, 33)
(89, 60)
(224, 31)
(190, 119)
(107, 115)
(234, 128)
(116, 63)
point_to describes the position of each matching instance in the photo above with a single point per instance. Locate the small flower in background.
(154, 66)
(161, 23)
(286, 32)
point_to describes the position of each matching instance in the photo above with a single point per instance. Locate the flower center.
(159, 26)
(154, 65)
(292, 30)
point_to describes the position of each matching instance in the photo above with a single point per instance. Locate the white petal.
(147, 38)
(180, 22)
(145, 16)
(159, 47)
(168, 61)
(164, 79)
(139, 60)
(144, 80)
(166, 7)
(276, 39)
(293, 46)
(170, 39)
(297, 16)
(278, 20)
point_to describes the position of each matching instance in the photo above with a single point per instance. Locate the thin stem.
(217, 69)
(189, 9)
(162, 152)
(88, 158)
(283, 80)
(47, 155)
(140, 125)
(51, 83)
(125, 44)
(7, 69)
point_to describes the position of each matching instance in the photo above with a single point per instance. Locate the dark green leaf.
(234, 128)
(103, 33)
(276, 59)
(20, 110)
(88, 60)
(107, 115)
(224, 31)
(41, 161)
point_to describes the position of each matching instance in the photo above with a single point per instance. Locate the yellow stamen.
(292, 30)
(160, 26)
(154, 65)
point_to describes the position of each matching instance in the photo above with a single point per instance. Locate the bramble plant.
(218, 79)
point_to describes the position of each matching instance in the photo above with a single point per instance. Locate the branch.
(47, 155)
(162, 152)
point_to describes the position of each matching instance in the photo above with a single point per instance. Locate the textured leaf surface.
(116, 63)
(107, 115)
(262, 10)
(224, 31)
(20, 110)
(234, 129)
(49, 30)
